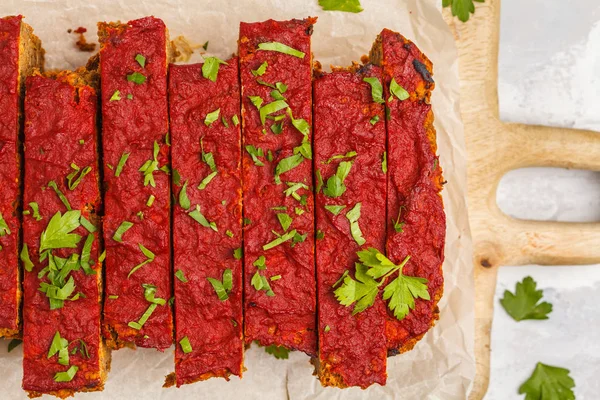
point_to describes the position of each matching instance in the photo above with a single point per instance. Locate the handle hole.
(550, 194)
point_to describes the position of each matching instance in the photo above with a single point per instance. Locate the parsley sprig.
(525, 302)
(548, 383)
(371, 273)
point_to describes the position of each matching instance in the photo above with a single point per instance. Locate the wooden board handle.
(495, 148)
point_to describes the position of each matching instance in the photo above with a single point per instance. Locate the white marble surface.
(549, 74)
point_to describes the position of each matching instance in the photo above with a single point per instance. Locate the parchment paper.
(442, 365)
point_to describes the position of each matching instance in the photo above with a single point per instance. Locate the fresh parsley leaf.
(186, 346)
(60, 194)
(461, 8)
(548, 383)
(184, 200)
(223, 288)
(121, 164)
(335, 184)
(201, 219)
(57, 234)
(402, 292)
(285, 220)
(124, 227)
(136, 77)
(362, 290)
(281, 48)
(335, 210)
(352, 6)
(210, 68)
(207, 180)
(397, 91)
(279, 352)
(181, 276)
(376, 89)
(525, 302)
(212, 117)
(260, 71)
(141, 60)
(66, 376)
(27, 264)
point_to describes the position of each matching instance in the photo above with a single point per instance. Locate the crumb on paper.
(82, 43)
(184, 48)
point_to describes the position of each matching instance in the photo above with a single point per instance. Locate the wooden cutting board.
(495, 148)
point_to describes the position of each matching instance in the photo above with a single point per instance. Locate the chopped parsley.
(285, 220)
(222, 288)
(235, 119)
(260, 282)
(374, 120)
(124, 227)
(121, 164)
(350, 154)
(256, 152)
(24, 256)
(352, 6)
(136, 78)
(61, 346)
(184, 200)
(150, 166)
(186, 347)
(116, 96)
(320, 234)
(229, 233)
(399, 226)
(287, 164)
(141, 60)
(60, 195)
(149, 295)
(271, 108)
(57, 234)
(201, 219)
(260, 71)
(238, 253)
(181, 276)
(384, 163)
(256, 100)
(319, 181)
(36, 214)
(335, 210)
(281, 48)
(353, 217)
(280, 240)
(87, 224)
(260, 263)
(279, 352)
(210, 68)
(397, 91)
(66, 376)
(293, 188)
(212, 117)
(149, 258)
(208, 157)
(150, 201)
(335, 184)
(75, 177)
(207, 180)
(376, 89)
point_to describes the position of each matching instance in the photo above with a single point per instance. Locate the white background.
(549, 74)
